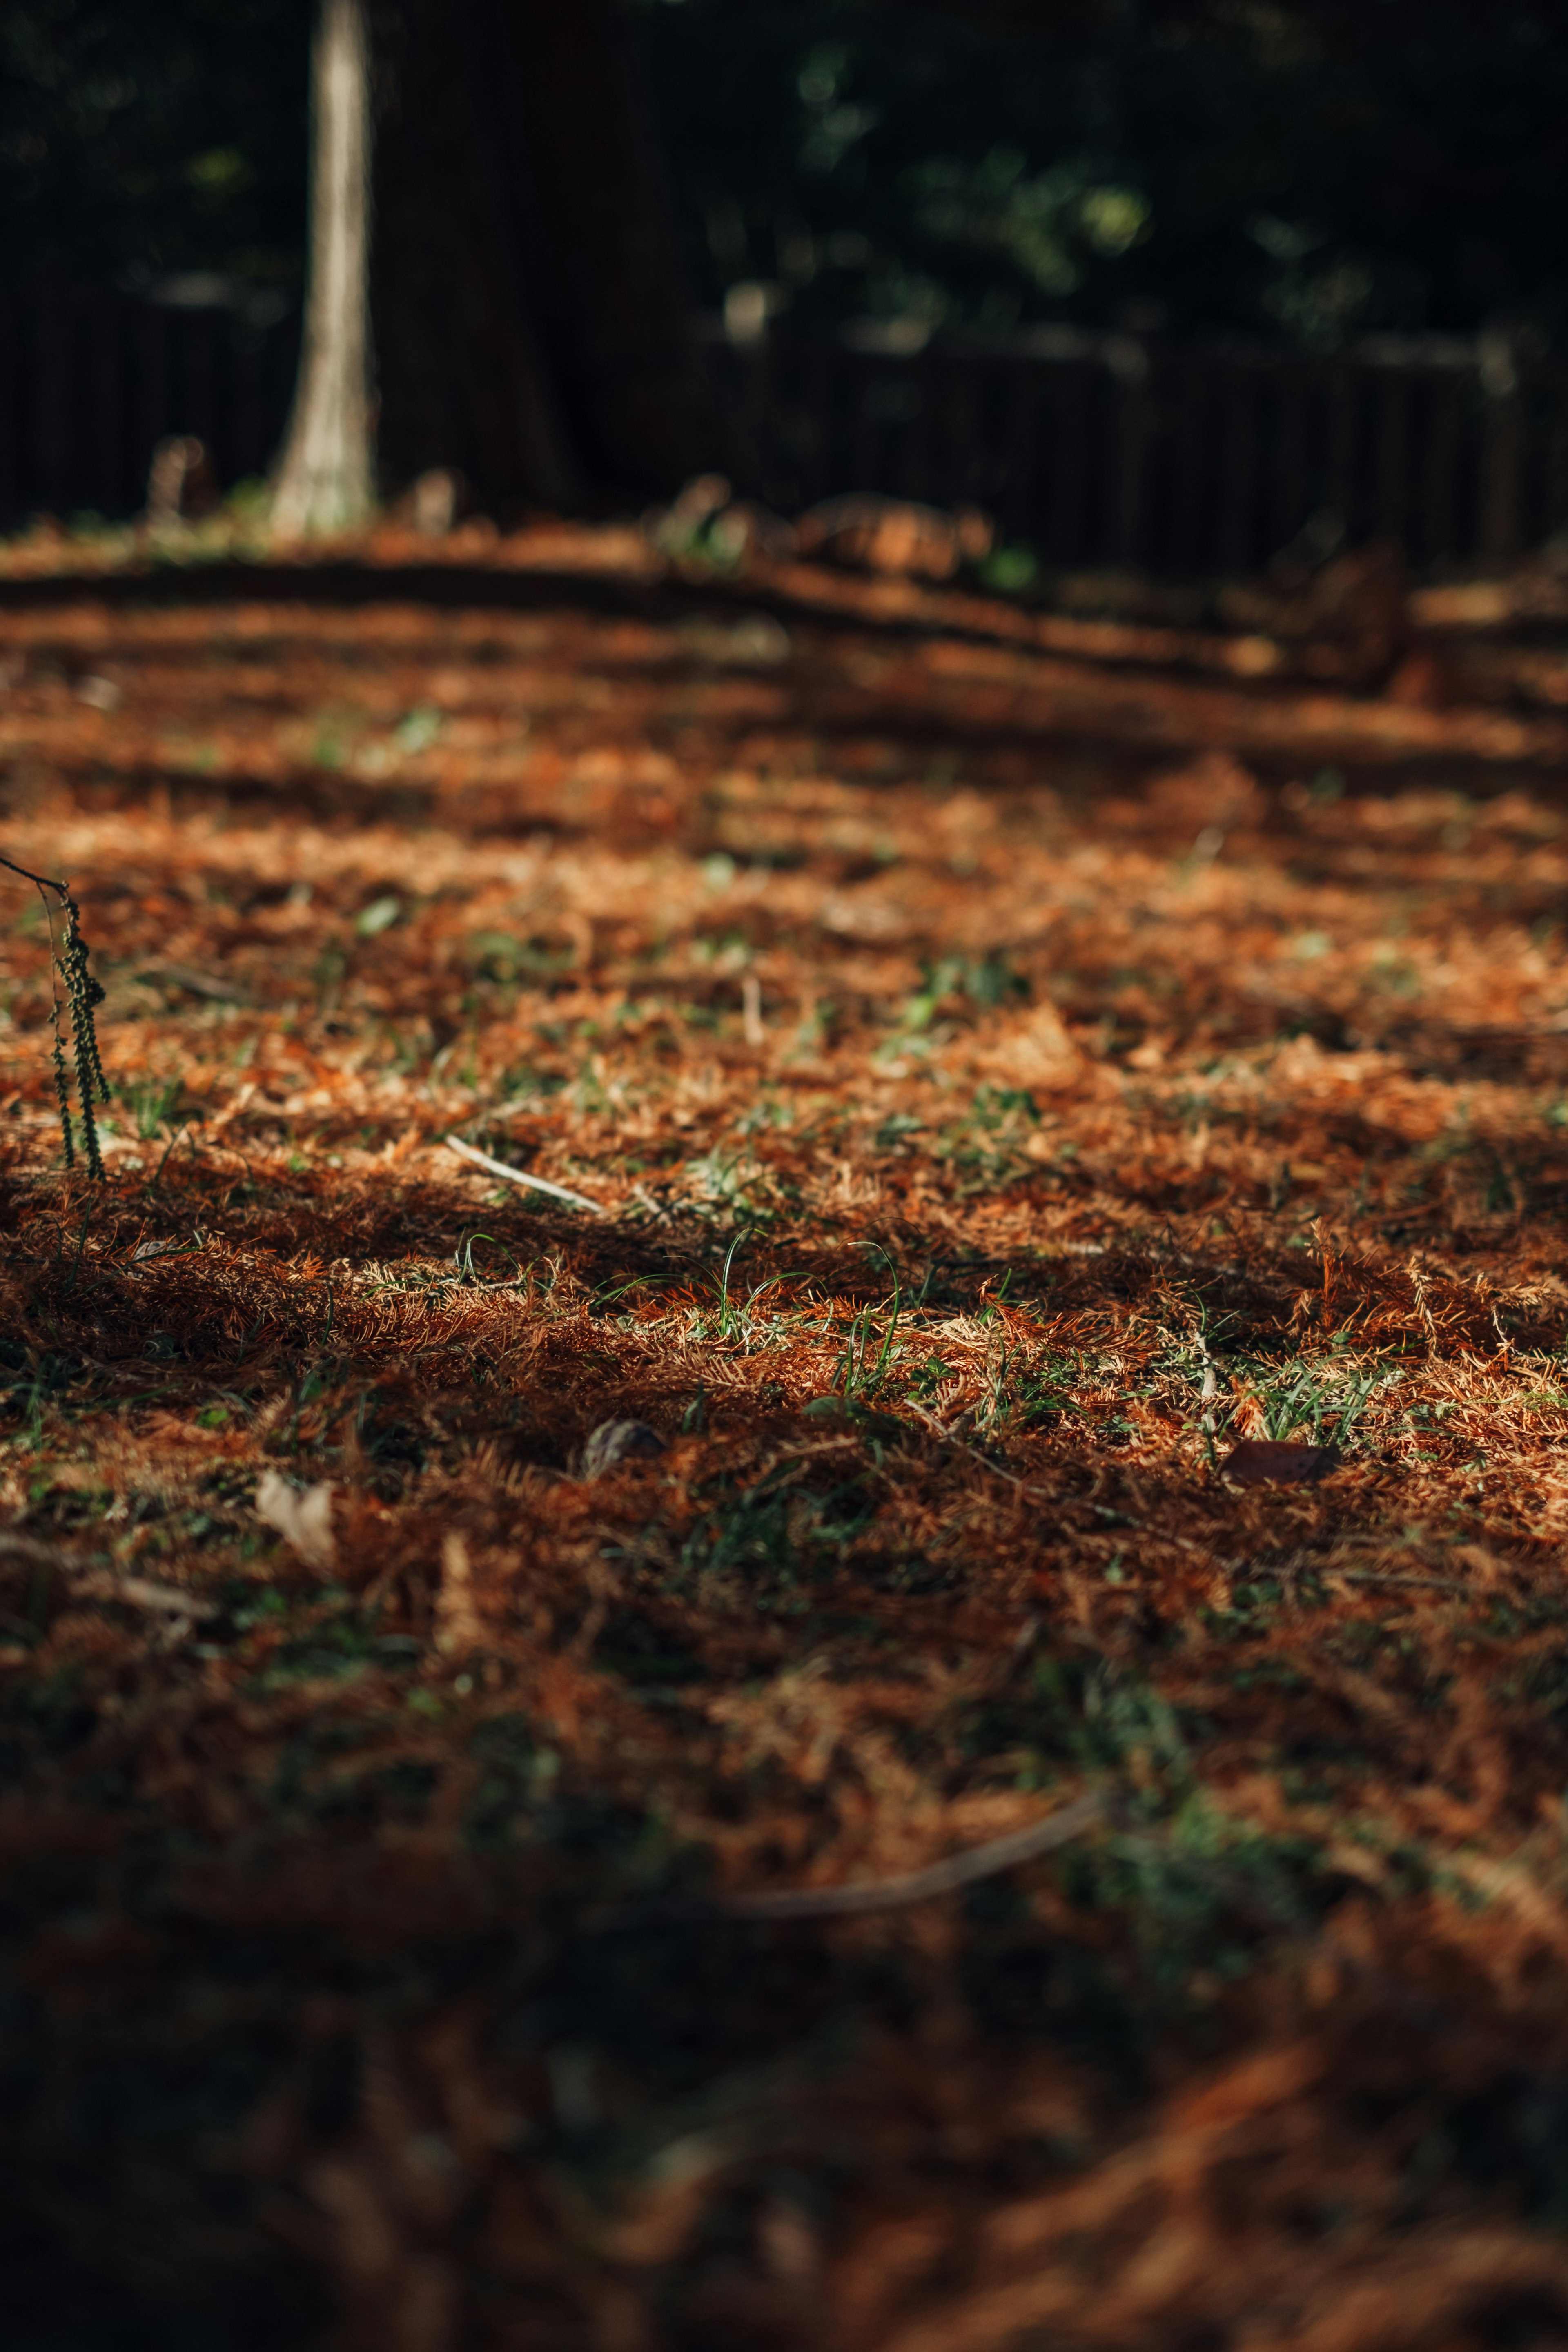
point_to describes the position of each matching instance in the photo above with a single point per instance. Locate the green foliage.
(1307, 173)
(986, 981)
(860, 1371)
(160, 137)
(774, 1535)
(1325, 1396)
(152, 1107)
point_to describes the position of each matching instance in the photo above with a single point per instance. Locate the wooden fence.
(91, 381)
(1187, 460)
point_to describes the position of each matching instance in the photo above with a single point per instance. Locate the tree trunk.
(594, 224)
(463, 379)
(325, 476)
(534, 324)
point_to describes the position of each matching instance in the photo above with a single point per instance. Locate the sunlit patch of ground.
(988, 1133)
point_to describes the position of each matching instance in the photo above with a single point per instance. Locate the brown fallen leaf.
(1262, 1462)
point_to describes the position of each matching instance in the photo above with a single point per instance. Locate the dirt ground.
(983, 1121)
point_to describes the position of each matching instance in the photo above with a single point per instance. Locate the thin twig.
(963, 1869)
(60, 890)
(1008, 1477)
(15, 1546)
(518, 1176)
(820, 1445)
(1376, 1576)
(102, 1583)
(138, 1592)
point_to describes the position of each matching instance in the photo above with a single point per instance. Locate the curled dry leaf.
(1264, 1462)
(302, 1517)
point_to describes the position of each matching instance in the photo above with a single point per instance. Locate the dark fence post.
(1238, 469)
(1441, 471)
(10, 420)
(153, 407)
(1290, 498)
(105, 390)
(1502, 452)
(1191, 471)
(1021, 447)
(58, 478)
(1128, 362)
(1553, 390)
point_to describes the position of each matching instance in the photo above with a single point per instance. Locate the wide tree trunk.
(533, 323)
(326, 475)
(463, 377)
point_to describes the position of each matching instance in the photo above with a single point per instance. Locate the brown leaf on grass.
(1265, 1462)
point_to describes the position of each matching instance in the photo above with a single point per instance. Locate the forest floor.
(985, 1128)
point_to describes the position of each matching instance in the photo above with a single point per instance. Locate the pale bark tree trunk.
(326, 474)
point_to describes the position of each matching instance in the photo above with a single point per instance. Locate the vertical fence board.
(1391, 493)
(1290, 500)
(1501, 470)
(1126, 484)
(1184, 550)
(53, 423)
(1068, 463)
(1440, 472)
(10, 439)
(104, 385)
(1238, 483)
(1340, 489)
(248, 442)
(1554, 435)
(1015, 505)
(152, 391)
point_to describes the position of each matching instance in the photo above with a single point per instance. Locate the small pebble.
(615, 1441)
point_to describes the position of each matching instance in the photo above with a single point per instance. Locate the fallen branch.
(138, 1592)
(97, 1582)
(519, 1176)
(60, 890)
(1376, 1576)
(963, 1869)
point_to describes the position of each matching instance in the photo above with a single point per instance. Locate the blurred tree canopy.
(1304, 168)
(143, 137)
(1308, 171)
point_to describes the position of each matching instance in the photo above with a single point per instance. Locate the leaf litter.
(1006, 1142)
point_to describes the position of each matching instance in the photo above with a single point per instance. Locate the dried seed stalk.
(83, 995)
